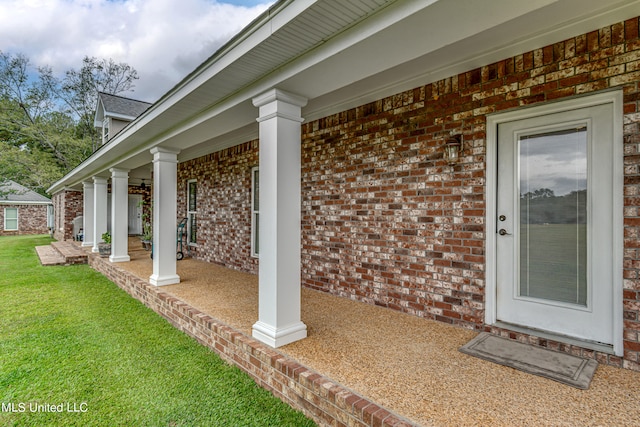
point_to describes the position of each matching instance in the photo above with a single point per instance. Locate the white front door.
(555, 234)
(135, 214)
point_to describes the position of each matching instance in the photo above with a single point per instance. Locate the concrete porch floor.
(406, 364)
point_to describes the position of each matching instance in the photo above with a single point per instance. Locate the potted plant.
(104, 247)
(147, 236)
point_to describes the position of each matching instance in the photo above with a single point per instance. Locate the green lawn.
(72, 340)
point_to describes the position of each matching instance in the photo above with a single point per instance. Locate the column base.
(87, 244)
(121, 258)
(277, 337)
(157, 280)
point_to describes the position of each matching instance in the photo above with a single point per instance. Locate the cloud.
(163, 40)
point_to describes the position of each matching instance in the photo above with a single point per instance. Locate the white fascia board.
(120, 116)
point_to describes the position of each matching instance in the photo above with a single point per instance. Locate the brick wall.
(32, 219)
(388, 222)
(67, 205)
(223, 205)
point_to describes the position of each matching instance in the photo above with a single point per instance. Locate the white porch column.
(279, 272)
(99, 210)
(165, 175)
(119, 215)
(87, 213)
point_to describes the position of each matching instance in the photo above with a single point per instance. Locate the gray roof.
(122, 106)
(20, 194)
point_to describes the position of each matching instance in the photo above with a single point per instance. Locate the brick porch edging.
(318, 397)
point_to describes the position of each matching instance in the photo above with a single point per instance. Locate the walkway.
(409, 365)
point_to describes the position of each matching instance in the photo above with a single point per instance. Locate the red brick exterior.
(387, 221)
(223, 205)
(67, 205)
(32, 219)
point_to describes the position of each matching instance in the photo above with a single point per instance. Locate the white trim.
(17, 219)
(614, 97)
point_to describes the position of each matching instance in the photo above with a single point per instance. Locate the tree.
(46, 123)
(80, 88)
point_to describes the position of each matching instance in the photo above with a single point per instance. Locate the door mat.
(565, 368)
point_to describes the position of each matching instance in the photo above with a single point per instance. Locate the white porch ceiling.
(340, 54)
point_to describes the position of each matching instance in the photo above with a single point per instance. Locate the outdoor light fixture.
(143, 186)
(452, 148)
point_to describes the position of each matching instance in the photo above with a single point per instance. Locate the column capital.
(278, 103)
(87, 184)
(119, 173)
(99, 180)
(279, 95)
(162, 154)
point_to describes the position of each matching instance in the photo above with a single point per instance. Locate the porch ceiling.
(339, 55)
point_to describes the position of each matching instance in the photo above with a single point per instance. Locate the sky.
(164, 40)
(557, 162)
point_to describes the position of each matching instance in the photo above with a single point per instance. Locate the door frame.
(615, 97)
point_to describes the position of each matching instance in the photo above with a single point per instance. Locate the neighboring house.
(114, 112)
(23, 211)
(475, 163)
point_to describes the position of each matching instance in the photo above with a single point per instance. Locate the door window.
(553, 215)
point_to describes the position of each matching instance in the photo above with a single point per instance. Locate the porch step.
(49, 256)
(62, 253)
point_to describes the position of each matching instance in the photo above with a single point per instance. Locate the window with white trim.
(255, 212)
(11, 219)
(192, 205)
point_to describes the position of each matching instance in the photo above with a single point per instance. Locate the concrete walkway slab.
(49, 256)
(62, 253)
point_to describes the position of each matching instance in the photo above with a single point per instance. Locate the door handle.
(503, 232)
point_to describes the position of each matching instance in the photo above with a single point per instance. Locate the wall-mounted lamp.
(452, 148)
(143, 185)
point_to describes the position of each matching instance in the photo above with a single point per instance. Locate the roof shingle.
(18, 193)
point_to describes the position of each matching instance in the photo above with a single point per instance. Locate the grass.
(70, 337)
